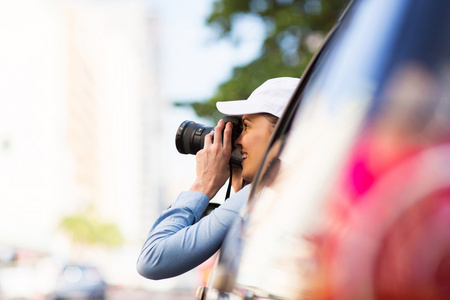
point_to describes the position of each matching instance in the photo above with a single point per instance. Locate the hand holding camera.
(214, 149)
(213, 160)
(190, 137)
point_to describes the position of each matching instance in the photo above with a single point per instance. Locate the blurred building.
(80, 120)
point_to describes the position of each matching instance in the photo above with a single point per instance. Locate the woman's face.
(253, 141)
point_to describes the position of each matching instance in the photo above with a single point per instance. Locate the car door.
(356, 169)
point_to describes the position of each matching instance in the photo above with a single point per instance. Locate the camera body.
(190, 137)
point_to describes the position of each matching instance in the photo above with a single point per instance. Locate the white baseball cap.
(271, 97)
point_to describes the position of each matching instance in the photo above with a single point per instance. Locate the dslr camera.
(190, 137)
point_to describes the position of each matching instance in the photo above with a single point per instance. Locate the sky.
(193, 61)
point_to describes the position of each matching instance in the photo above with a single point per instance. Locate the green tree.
(293, 30)
(90, 231)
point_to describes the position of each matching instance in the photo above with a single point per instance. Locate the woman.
(179, 240)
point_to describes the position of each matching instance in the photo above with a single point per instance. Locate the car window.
(229, 256)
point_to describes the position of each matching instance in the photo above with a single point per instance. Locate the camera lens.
(190, 137)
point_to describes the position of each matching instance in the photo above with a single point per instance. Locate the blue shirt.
(179, 241)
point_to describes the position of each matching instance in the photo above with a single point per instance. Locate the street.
(129, 294)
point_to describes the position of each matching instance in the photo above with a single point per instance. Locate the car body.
(353, 198)
(80, 282)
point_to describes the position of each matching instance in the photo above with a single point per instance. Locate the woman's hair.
(271, 118)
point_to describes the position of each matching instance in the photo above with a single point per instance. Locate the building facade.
(80, 111)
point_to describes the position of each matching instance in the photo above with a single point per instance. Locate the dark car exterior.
(80, 282)
(353, 199)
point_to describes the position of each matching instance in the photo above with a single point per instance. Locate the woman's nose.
(237, 142)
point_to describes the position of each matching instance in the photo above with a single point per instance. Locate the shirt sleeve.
(179, 241)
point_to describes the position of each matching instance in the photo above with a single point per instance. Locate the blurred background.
(91, 95)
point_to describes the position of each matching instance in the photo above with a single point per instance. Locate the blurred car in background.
(80, 282)
(353, 198)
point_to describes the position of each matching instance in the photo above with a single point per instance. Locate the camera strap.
(229, 182)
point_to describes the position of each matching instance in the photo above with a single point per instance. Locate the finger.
(208, 139)
(227, 135)
(218, 132)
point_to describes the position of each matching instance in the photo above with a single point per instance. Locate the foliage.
(292, 29)
(86, 230)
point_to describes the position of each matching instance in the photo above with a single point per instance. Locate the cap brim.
(237, 108)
